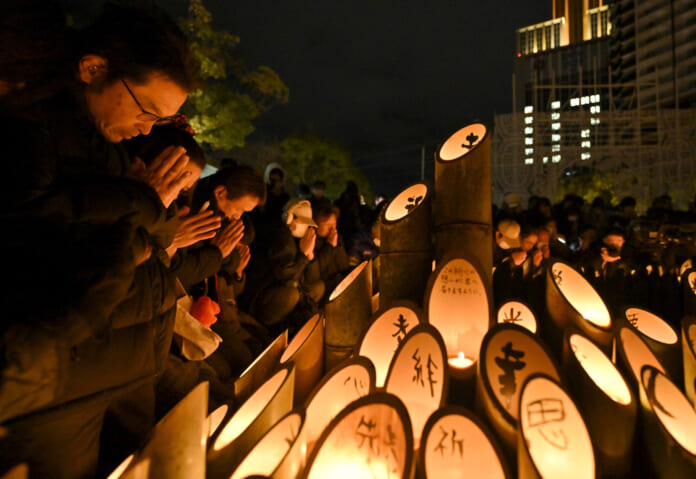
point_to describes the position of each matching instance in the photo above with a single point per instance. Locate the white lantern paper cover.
(509, 354)
(251, 421)
(457, 305)
(382, 338)
(463, 141)
(418, 375)
(306, 350)
(553, 441)
(215, 418)
(370, 438)
(261, 368)
(405, 201)
(635, 354)
(669, 425)
(280, 453)
(689, 357)
(176, 447)
(457, 445)
(517, 312)
(351, 379)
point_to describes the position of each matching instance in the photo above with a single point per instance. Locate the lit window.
(529, 151)
(528, 109)
(586, 144)
(594, 98)
(555, 105)
(585, 156)
(574, 101)
(556, 159)
(555, 137)
(555, 115)
(585, 133)
(555, 126)
(594, 121)
(545, 159)
(528, 120)
(529, 130)
(594, 109)
(555, 148)
(584, 100)
(529, 161)
(529, 141)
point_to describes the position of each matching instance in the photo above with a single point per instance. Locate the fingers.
(165, 160)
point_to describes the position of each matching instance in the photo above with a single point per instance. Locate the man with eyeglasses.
(89, 305)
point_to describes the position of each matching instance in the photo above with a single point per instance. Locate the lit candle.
(462, 372)
(460, 362)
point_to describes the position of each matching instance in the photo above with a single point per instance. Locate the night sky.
(383, 77)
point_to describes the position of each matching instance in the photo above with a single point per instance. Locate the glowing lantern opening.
(215, 418)
(553, 432)
(463, 141)
(637, 353)
(651, 326)
(261, 368)
(347, 281)
(581, 295)
(405, 202)
(306, 350)
(600, 369)
(516, 312)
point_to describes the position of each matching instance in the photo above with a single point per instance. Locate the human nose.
(145, 127)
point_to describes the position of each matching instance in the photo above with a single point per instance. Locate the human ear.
(92, 67)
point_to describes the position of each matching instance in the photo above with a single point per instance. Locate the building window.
(529, 141)
(555, 105)
(575, 102)
(547, 35)
(555, 126)
(529, 161)
(556, 159)
(585, 144)
(555, 115)
(594, 121)
(539, 33)
(529, 130)
(529, 109)
(555, 148)
(585, 156)
(523, 43)
(530, 42)
(528, 120)
(556, 35)
(556, 138)
(593, 25)
(605, 22)
(585, 133)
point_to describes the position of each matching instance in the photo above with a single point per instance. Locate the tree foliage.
(587, 182)
(233, 95)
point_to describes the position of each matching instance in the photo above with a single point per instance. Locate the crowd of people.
(122, 261)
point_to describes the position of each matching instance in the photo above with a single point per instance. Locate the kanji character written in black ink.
(367, 432)
(509, 363)
(401, 325)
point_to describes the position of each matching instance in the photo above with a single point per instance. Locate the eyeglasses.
(145, 115)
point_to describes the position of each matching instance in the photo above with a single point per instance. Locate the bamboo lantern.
(348, 314)
(669, 422)
(463, 217)
(571, 300)
(306, 350)
(457, 304)
(605, 401)
(215, 418)
(689, 356)
(509, 354)
(405, 250)
(689, 291)
(633, 354)
(660, 337)
(251, 421)
(353, 378)
(517, 312)
(280, 453)
(126, 470)
(21, 471)
(387, 330)
(457, 445)
(176, 446)
(371, 437)
(261, 368)
(553, 441)
(418, 375)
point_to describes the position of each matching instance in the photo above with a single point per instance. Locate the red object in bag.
(205, 311)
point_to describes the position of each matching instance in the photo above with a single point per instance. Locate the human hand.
(195, 228)
(537, 256)
(166, 175)
(228, 238)
(606, 257)
(332, 237)
(244, 257)
(518, 257)
(307, 243)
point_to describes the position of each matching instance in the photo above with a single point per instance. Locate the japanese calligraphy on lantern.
(511, 353)
(405, 202)
(554, 432)
(345, 385)
(383, 337)
(367, 439)
(462, 142)
(454, 445)
(580, 294)
(652, 326)
(458, 306)
(516, 312)
(417, 374)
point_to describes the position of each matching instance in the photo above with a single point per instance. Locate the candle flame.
(461, 355)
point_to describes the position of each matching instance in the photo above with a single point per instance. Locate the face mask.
(299, 230)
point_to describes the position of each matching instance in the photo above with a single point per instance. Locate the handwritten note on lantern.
(333, 394)
(456, 446)
(458, 307)
(652, 326)
(383, 337)
(417, 375)
(518, 313)
(554, 432)
(511, 355)
(405, 202)
(463, 141)
(370, 440)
